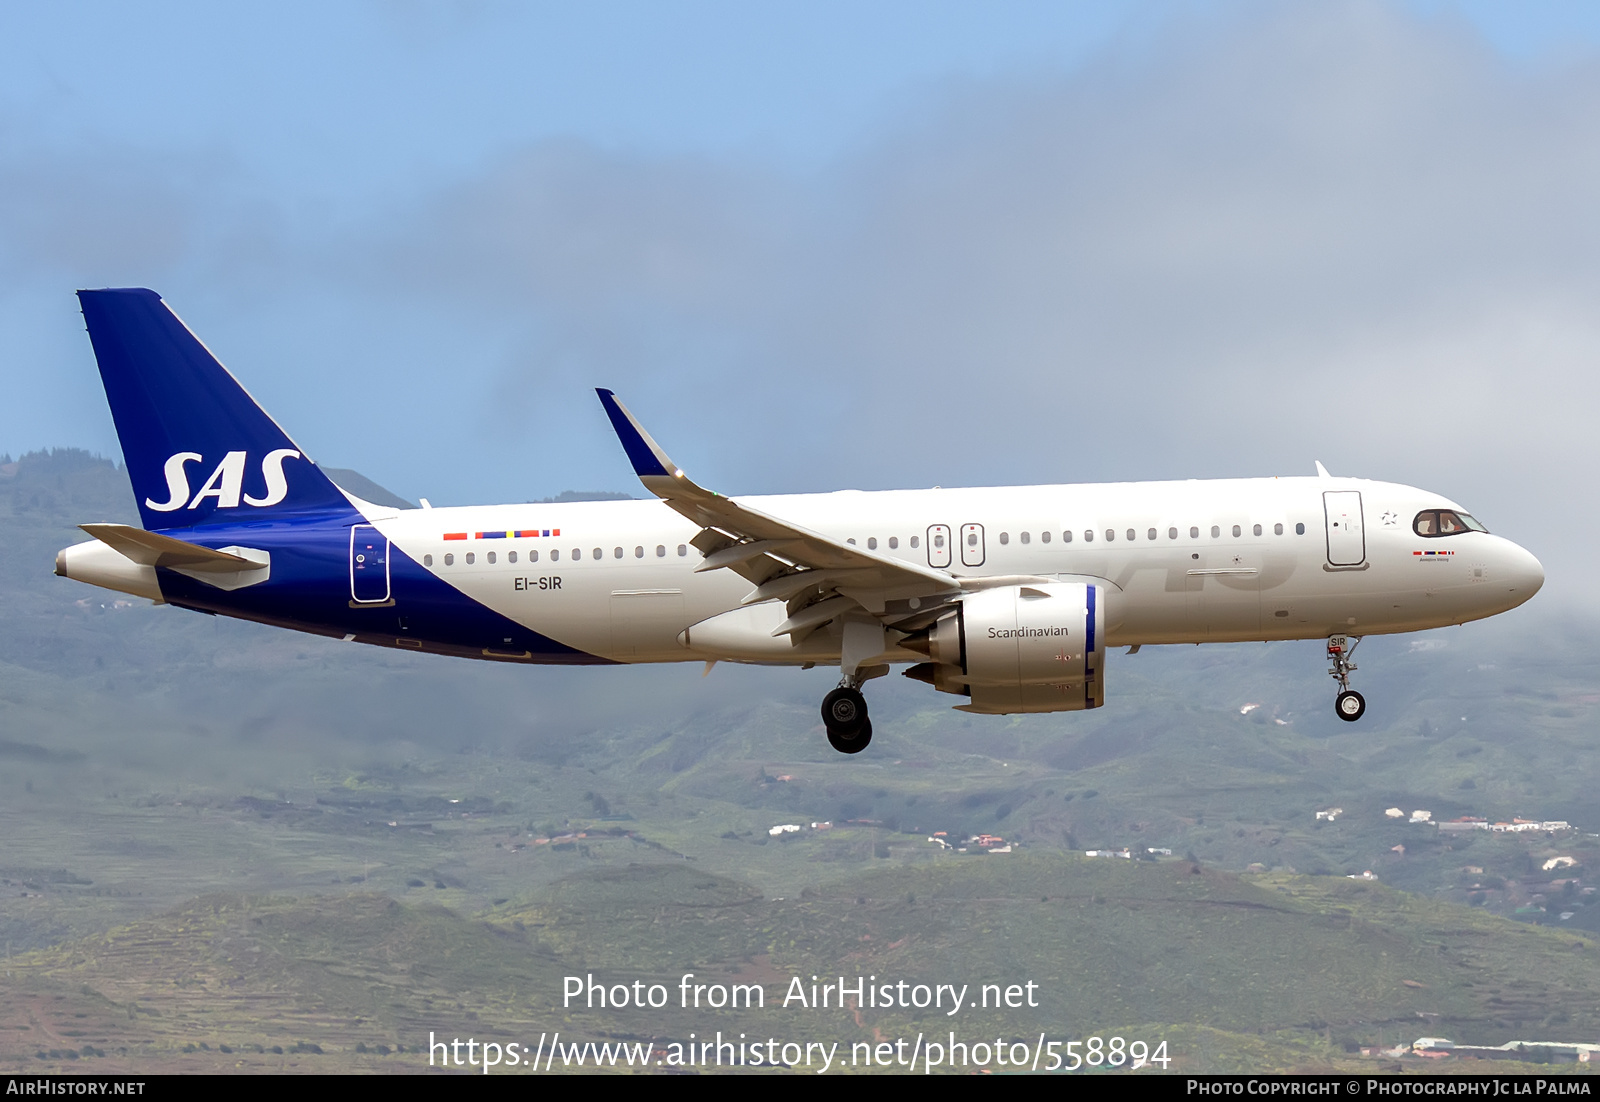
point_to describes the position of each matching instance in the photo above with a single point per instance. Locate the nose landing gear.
(1349, 705)
(844, 714)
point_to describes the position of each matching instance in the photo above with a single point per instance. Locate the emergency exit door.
(972, 553)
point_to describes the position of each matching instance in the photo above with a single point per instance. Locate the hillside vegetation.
(219, 833)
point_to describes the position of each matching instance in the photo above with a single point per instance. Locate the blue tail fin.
(198, 448)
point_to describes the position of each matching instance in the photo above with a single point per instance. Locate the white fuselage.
(1187, 562)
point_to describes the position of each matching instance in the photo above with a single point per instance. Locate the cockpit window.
(1444, 522)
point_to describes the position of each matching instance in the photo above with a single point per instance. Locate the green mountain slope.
(362, 804)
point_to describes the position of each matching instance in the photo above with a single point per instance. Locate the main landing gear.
(1349, 705)
(844, 713)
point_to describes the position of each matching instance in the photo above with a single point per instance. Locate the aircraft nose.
(1523, 573)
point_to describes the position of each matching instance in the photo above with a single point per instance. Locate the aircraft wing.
(818, 576)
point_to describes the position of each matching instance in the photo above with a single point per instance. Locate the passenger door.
(369, 565)
(1347, 541)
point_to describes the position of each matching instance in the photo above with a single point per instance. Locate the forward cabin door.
(1347, 541)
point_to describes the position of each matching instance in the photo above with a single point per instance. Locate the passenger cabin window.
(617, 554)
(1132, 535)
(1194, 533)
(894, 543)
(491, 556)
(555, 556)
(1277, 529)
(470, 557)
(1005, 538)
(533, 556)
(1088, 536)
(577, 554)
(511, 556)
(1111, 534)
(1172, 533)
(427, 560)
(1257, 529)
(661, 550)
(1299, 529)
(872, 543)
(1444, 522)
(599, 554)
(1215, 531)
(1152, 534)
(638, 552)
(1025, 537)
(1236, 530)
(683, 549)
(449, 560)
(916, 541)
(1044, 537)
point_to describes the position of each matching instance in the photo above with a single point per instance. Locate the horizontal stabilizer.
(152, 549)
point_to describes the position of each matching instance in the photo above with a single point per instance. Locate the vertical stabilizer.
(199, 449)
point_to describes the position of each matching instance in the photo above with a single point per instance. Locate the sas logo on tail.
(226, 483)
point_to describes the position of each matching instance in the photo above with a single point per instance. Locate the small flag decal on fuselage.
(513, 534)
(1432, 554)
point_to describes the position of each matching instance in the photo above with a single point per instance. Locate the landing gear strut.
(844, 711)
(1349, 705)
(844, 714)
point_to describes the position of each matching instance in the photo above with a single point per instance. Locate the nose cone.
(1523, 575)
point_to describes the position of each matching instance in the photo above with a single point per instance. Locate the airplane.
(1010, 598)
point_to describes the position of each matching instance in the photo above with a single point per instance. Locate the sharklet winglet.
(648, 460)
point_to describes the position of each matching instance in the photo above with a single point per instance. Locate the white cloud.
(1226, 247)
(1340, 232)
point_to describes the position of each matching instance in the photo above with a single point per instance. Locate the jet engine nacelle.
(1022, 648)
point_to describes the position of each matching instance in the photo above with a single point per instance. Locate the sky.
(831, 245)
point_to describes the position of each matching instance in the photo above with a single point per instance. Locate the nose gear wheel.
(1350, 706)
